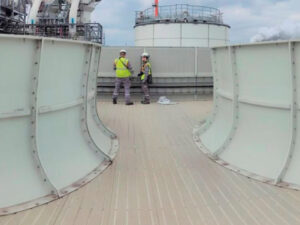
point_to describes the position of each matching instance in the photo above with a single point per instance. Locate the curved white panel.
(53, 141)
(212, 138)
(253, 128)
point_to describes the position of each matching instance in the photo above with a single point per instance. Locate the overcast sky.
(246, 17)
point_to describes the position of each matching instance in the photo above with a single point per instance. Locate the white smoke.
(286, 31)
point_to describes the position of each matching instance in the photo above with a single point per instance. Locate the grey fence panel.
(166, 62)
(204, 65)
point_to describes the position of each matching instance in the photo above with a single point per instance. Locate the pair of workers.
(124, 73)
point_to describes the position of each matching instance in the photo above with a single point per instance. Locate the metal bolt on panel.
(60, 147)
(254, 131)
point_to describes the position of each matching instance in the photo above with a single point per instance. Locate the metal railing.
(88, 31)
(179, 13)
(13, 16)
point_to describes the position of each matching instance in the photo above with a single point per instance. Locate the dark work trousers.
(145, 89)
(126, 82)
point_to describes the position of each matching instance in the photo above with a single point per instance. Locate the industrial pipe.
(32, 18)
(73, 17)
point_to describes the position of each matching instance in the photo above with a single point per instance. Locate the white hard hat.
(123, 51)
(145, 54)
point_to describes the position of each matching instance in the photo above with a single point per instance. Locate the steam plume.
(286, 31)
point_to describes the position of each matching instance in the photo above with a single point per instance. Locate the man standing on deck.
(146, 77)
(123, 72)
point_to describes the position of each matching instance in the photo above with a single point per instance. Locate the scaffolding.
(86, 32)
(12, 15)
(53, 21)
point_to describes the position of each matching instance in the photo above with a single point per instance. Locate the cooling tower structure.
(180, 26)
(253, 128)
(52, 141)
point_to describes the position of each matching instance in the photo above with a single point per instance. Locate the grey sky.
(246, 18)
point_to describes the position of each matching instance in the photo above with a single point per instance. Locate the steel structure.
(52, 140)
(253, 128)
(179, 13)
(85, 32)
(64, 19)
(50, 19)
(180, 26)
(12, 15)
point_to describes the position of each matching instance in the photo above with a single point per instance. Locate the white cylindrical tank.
(181, 26)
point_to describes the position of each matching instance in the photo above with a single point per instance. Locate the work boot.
(114, 101)
(129, 103)
(145, 101)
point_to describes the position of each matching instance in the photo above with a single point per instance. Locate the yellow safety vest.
(121, 70)
(143, 70)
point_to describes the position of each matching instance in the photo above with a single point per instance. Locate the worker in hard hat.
(146, 77)
(123, 72)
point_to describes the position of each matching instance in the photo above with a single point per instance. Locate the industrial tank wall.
(253, 128)
(181, 35)
(52, 141)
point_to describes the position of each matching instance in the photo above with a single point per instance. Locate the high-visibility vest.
(143, 70)
(121, 68)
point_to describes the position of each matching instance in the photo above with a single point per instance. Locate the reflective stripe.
(121, 70)
(143, 70)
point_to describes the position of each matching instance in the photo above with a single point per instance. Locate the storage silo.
(180, 25)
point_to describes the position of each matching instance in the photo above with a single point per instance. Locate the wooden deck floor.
(161, 178)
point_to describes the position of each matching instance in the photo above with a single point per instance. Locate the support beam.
(235, 102)
(35, 116)
(293, 117)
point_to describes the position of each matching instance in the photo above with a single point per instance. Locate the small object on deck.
(165, 101)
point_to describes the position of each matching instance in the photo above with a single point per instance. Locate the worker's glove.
(140, 74)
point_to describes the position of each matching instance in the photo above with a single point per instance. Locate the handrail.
(180, 12)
